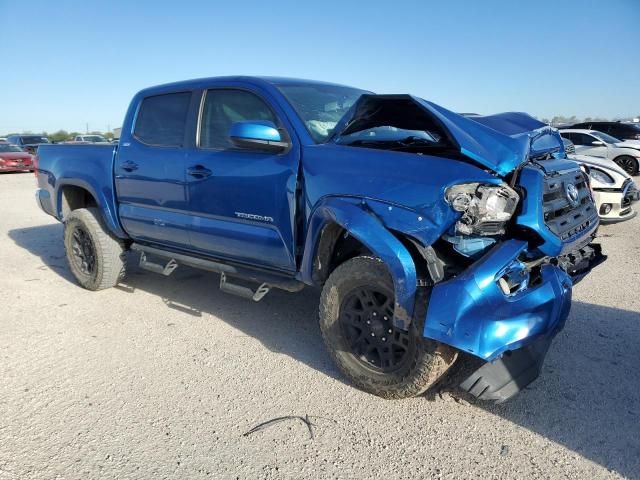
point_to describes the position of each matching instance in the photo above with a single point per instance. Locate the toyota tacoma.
(433, 236)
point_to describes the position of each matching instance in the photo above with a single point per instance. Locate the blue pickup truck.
(434, 236)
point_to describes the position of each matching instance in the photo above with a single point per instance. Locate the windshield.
(31, 139)
(320, 106)
(606, 138)
(10, 148)
(94, 138)
(388, 134)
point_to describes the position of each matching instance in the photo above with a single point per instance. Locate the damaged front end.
(506, 307)
(519, 241)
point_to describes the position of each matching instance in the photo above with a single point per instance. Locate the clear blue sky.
(68, 63)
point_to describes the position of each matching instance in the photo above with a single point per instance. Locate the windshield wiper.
(409, 141)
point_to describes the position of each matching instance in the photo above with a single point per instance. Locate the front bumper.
(506, 331)
(620, 205)
(472, 313)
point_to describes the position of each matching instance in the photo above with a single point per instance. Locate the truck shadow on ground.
(587, 398)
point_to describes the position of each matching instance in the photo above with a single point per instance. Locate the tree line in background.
(63, 135)
(560, 120)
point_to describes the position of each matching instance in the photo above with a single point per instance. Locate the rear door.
(149, 172)
(242, 201)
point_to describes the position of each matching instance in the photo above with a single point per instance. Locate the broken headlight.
(485, 208)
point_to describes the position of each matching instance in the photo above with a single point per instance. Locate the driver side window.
(222, 108)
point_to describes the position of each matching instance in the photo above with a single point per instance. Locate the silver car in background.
(614, 191)
(598, 144)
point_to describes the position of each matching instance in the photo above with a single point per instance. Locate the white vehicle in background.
(598, 144)
(90, 139)
(613, 189)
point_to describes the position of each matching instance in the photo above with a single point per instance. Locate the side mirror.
(257, 135)
(597, 143)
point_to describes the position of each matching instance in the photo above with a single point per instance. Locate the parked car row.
(14, 158)
(614, 190)
(625, 153)
(29, 143)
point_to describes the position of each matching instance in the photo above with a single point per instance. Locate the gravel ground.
(161, 377)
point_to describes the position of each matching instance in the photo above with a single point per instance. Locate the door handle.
(129, 166)
(199, 172)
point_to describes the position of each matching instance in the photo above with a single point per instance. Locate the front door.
(150, 172)
(585, 145)
(242, 201)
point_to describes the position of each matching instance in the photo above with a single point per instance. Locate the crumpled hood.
(499, 142)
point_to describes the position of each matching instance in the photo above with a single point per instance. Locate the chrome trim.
(199, 122)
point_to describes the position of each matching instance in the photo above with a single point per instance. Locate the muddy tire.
(96, 258)
(356, 311)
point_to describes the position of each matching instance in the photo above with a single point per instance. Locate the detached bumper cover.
(503, 378)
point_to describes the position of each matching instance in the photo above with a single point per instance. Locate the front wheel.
(628, 163)
(356, 320)
(96, 258)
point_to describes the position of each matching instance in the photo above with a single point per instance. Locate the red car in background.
(14, 159)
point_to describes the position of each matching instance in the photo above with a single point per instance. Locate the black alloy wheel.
(84, 251)
(366, 317)
(628, 163)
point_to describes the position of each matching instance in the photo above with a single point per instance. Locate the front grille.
(564, 217)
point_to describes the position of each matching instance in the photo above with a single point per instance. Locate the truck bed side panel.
(86, 166)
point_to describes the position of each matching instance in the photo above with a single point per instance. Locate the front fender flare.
(361, 222)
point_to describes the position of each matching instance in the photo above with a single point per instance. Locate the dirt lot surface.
(161, 377)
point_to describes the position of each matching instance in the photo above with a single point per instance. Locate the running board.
(165, 270)
(244, 292)
(266, 280)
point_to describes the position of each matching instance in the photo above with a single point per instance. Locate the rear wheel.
(356, 313)
(628, 163)
(96, 258)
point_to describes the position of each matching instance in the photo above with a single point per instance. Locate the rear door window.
(162, 119)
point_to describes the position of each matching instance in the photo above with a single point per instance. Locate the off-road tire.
(110, 259)
(628, 163)
(426, 361)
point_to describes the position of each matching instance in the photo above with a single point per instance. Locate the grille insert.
(566, 216)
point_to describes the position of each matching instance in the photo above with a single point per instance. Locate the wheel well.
(336, 246)
(73, 198)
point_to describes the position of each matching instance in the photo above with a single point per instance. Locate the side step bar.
(244, 292)
(265, 279)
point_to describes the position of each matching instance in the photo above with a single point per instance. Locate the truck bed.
(86, 166)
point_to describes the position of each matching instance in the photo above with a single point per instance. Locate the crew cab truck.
(434, 236)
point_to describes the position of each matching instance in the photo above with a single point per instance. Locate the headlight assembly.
(485, 208)
(600, 176)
